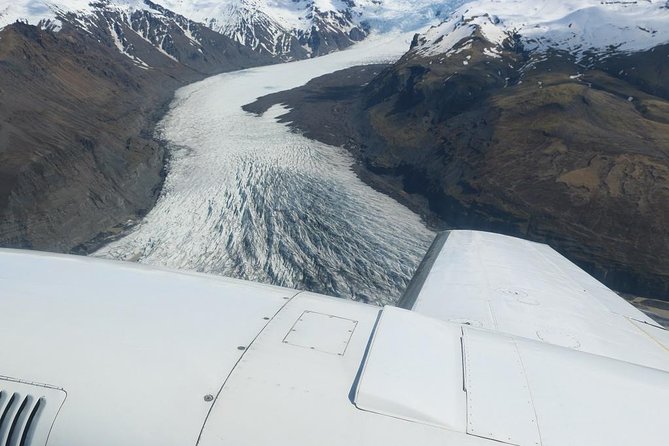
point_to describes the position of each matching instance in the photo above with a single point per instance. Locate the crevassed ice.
(246, 197)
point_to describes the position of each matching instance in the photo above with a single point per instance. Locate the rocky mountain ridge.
(293, 30)
(284, 29)
(482, 127)
(582, 28)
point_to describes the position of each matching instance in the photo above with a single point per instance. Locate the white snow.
(238, 19)
(574, 25)
(121, 48)
(246, 197)
(295, 15)
(492, 52)
(47, 14)
(35, 11)
(577, 26)
(242, 19)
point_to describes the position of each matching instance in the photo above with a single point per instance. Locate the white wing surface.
(500, 341)
(526, 289)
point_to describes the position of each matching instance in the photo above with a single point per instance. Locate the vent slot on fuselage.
(20, 414)
(27, 412)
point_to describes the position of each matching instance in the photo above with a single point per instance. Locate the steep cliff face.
(77, 152)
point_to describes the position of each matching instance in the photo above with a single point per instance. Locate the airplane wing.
(527, 289)
(550, 355)
(497, 341)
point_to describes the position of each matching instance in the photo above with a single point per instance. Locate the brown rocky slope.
(572, 153)
(77, 151)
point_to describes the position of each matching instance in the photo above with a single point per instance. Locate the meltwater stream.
(245, 197)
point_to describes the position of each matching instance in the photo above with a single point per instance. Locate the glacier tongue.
(246, 197)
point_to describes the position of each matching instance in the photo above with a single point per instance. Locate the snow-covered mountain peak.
(293, 28)
(576, 26)
(46, 11)
(286, 28)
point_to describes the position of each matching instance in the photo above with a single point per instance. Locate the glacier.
(248, 198)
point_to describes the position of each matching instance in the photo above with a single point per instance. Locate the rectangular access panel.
(321, 332)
